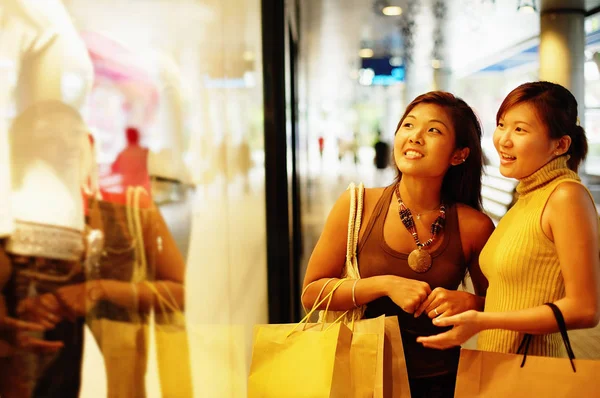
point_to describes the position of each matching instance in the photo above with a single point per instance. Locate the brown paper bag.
(497, 375)
(366, 357)
(388, 378)
(395, 375)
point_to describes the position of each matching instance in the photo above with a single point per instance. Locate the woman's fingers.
(423, 307)
(33, 343)
(437, 310)
(444, 321)
(17, 324)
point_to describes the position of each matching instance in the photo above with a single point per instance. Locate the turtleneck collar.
(555, 168)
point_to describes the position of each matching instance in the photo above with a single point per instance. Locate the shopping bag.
(124, 348)
(302, 360)
(498, 375)
(172, 346)
(395, 375)
(366, 357)
(310, 362)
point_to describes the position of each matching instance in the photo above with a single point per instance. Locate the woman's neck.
(420, 194)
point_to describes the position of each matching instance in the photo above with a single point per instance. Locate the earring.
(556, 153)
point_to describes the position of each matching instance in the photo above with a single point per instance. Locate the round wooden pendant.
(419, 260)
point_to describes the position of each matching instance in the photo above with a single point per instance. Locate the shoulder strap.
(354, 222)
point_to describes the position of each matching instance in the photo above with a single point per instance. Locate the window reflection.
(132, 232)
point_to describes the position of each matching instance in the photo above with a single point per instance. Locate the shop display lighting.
(526, 6)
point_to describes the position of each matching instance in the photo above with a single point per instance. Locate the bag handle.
(317, 304)
(134, 224)
(162, 301)
(562, 326)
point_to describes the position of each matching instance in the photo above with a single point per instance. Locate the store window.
(132, 211)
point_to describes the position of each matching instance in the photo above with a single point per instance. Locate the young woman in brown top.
(418, 238)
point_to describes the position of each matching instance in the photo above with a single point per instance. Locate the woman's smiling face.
(522, 141)
(425, 142)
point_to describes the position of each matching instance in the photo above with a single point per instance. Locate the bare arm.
(573, 224)
(170, 269)
(575, 234)
(327, 261)
(479, 236)
(162, 251)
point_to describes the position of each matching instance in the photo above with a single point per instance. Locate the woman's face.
(424, 145)
(523, 142)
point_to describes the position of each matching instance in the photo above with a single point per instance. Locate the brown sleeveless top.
(376, 257)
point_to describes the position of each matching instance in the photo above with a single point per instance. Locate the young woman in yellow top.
(545, 249)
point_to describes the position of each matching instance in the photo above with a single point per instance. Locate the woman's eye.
(519, 129)
(500, 124)
(434, 130)
(407, 125)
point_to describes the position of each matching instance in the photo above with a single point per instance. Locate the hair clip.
(578, 122)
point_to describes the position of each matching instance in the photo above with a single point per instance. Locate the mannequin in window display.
(45, 78)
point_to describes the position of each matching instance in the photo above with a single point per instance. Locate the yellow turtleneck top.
(521, 263)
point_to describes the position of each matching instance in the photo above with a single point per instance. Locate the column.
(441, 74)
(562, 45)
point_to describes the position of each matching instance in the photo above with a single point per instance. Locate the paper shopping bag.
(497, 375)
(300, 362)
(366, 357)
(124, 346)
(172, 346)
(395, 375)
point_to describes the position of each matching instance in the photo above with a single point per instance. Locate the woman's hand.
(78, 299)
(466, 325)
(447, 303)
(22, 338)
(44, 310)
(408, 294)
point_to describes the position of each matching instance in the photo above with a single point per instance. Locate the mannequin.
(52, 72)
(45, 77)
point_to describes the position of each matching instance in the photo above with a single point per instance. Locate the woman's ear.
(460, 155)
(563, 145)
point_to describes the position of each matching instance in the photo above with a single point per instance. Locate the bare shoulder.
(372, 195)
(573, 196)
(570, 192)
(475, 226)
(342, 205)
(472, 217)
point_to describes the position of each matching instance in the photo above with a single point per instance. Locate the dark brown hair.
(462, 183)
(556, 107)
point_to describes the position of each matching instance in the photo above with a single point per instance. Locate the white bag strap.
(354, 223)
(134, 225)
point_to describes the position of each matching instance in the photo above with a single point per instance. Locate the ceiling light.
(436, 63)
(365, 53)
(392, 11)
(396, 61)
(526, 6)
